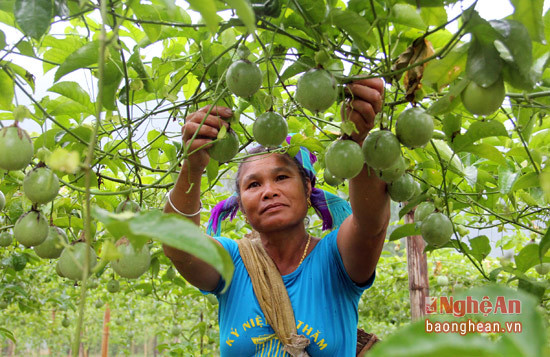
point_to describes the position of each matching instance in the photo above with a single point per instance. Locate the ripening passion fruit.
(113, 286)
(41, 185)
(132, 263)
(423, 210)
(16, 149)
(226, 148)
(316, 90)
(414, 127)
(31, 229)
(72, 260)
(394, 172)
(381, 149)
(402, 189)
(243, 78)
(5, 239)
(270, 129)
(344, 159)
(479, 100)
(54, 244)
(330, 179)
(436, 229)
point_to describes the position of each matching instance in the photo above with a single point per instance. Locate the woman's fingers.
(370, 94)
(202, 131)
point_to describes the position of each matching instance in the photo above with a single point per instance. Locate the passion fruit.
(225, 148)
(423, 210)
(127, 206)
(479, 100)
(394, 172)
(71, 261)
(436, 229)
(402, 189)
(16, 148)
(270, 129)
(54, 244)
(113, 286)
(5, 239)
(316, 90)
(41, 185)
(31, 229)
(330, 179)
(414, 127)
(132, 263)
(381, 149)
(344, 159)
(243, 78)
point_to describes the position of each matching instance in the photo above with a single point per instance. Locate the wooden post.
(417, 265)
(105, 339)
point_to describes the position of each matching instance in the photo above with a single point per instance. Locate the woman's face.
(272, 193)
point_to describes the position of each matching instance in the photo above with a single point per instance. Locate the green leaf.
(446, 103)
(212, 170)
(530, 179)
(245, 13)
(405, 230)
(302, 65)
(527, 257)
(33, 16)
(72, 90)
(480, 247)
(484, 64)
(314, 10)
(532, 287)
(149, 13)
(170, 229)
(486, 151)
(6, 88)
(447, 155)
(529, 13)
(479, 130)
(406, 15)
(544, 244)
(440, 72)
(207, 9)
(355, 25)
(515, 38)
(85, 56)
(506, 179)
(7, 334)
(2, 40)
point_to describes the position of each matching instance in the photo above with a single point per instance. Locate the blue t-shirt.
(322, 294)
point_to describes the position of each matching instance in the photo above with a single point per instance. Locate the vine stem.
(87, 177)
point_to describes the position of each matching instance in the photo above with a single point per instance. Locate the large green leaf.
(72, 90)
(530, 179)
(207, 9)
(484, 64)
(33, 16)
(480, 247)
(479, 130)
(528, 257)
(355, 25)
(405, 230)
(245, 13)
(315, 11)
(506, 179)
(544, 244)
(529, 13)
(149, 13)
(450, 100)
(170, 229)
(85, 56)
(406, 15)
(486, 151)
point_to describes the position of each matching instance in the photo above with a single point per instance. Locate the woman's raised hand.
(212, 117)
(365, 103)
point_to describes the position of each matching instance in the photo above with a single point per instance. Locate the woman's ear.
(308, 188)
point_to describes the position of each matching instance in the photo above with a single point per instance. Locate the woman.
(324, 277)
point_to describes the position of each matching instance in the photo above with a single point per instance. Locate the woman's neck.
(286, 248)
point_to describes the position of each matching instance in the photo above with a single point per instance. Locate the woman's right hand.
(207, 132)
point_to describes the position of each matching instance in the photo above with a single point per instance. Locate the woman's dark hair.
(291, 160)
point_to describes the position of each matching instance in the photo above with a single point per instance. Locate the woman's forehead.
(268, 161)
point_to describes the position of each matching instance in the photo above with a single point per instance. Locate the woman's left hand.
(365, 103)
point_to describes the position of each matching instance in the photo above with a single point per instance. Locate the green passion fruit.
(436, 229)
(72, 260)
(16, 148)
(270, 129)
(414, 127)
(344, 159)
(330, 179)
(41, 185)
(54, 244)
(402, 189)
(31, 229)
(113, 286)
(394, 172)
(132, 263)
(226, 148)
(5, 239)
(480, 100)
(127, 206)
(381, 149)
(243, 78)
(316, 90)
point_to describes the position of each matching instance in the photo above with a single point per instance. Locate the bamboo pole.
(105, 338)
(419, 288)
